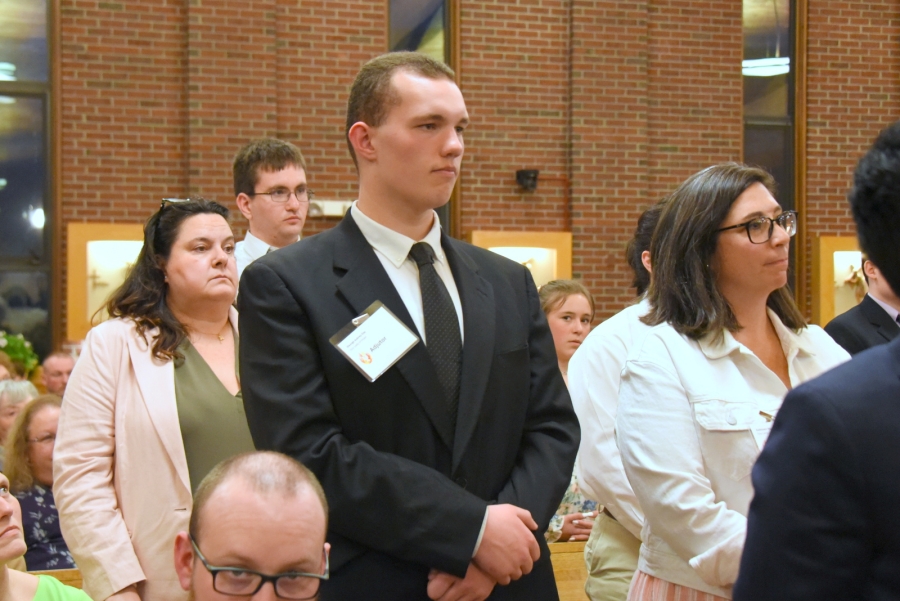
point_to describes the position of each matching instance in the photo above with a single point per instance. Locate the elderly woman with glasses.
(697, 397)
(29, 467)
(153, 404)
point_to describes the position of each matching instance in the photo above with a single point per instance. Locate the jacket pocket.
(726, 438)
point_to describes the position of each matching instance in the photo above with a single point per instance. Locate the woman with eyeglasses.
(29, 467)
(698, 396)
(152, 405)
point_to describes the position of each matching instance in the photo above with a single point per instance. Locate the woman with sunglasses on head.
(152, 405)
(698, 396)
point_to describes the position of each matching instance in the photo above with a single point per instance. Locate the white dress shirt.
(690, 427)
(248, 250)
(594, 374)
(392, 249)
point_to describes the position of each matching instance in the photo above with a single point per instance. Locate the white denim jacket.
(690, 426)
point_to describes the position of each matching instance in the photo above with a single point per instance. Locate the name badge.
(374, 341)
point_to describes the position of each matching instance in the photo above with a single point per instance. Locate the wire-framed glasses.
(241, 582)
(759, 229)
(282, 195)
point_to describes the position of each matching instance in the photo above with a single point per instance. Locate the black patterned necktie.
(442, 337)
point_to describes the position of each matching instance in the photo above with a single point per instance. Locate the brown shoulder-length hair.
(142, 296)
(683, 289)
(15, 464)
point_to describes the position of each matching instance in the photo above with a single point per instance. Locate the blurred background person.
(29, 467)
(7, 368)
(698, 394)
(569, 307)
(13, 396)
(873, 321)
(16, 585)
(153, 404)
(611, 553)
(56, 369)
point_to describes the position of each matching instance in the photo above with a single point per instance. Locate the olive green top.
(213, 422)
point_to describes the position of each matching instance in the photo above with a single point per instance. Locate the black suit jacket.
(405, 493)
(864, 326)
(825, 521)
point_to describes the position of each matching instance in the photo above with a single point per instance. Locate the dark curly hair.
(142, 296)
(875, 203)
(640, 242)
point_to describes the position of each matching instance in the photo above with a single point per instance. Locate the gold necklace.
(220, 335)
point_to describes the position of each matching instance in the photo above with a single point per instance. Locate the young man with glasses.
(271, 192)
(257, 531)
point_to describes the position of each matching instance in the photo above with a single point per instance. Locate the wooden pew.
(70, 577)
(569, 570)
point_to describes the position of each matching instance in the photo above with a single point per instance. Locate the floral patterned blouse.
(573, 502)
(46, 548)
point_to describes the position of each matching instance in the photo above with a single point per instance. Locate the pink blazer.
(120, 476)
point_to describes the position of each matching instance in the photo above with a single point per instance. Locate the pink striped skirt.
(645, 587)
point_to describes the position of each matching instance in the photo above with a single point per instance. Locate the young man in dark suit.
(824, 521)
(442, 469)
(873, 321)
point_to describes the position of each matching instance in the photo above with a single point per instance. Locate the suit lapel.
(477, 298)
(156, 381)
(886, 327)
(362, 281)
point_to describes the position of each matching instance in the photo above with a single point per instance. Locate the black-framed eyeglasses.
(282, 195)
(759, 229)
(240, 582)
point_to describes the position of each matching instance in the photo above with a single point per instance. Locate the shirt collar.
(394, 245)
(256, 247)
(716, 348)
(889, 309)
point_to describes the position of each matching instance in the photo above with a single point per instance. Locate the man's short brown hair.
(265, 472)
(372, 96)
(267, 154)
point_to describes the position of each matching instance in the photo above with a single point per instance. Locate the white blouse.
(692, 419)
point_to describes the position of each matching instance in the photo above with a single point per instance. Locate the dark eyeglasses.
(282, 195)
(240, 582)
(759, 229)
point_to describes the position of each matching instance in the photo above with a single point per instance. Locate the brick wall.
(853, 91)
(622, 99)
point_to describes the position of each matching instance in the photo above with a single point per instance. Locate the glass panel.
(767, 58)
(22, 177)
(23, 40)
(771, 147)
(24, 307)
(418, 25)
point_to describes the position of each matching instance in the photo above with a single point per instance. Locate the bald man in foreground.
(257, 531)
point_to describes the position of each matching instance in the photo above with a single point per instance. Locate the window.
(25, 257)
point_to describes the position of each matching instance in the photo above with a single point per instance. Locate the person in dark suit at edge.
(824, 524)
(443, 472)
(873, 321)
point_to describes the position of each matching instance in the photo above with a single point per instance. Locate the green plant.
(19, 350)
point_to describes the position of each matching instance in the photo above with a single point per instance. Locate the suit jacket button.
(462, 482)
